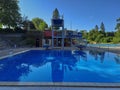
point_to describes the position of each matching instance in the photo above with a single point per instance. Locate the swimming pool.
(61, 66)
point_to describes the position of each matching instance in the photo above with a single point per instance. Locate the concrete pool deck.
(61, 84)
(108, 49)
(53, 86)
(58, 86)
(6, 52)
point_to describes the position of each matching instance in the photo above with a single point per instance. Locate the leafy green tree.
(39, 24)
(116, 39)
(92, 35)
(99, 37)
(110, 34)
(9, 13)
(95, 36)
(108, 39)
(43, 25)
(84, 34)
(102, 28)
(0, 25)
(36, 22)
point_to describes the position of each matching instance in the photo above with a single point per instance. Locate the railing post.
(52, 38)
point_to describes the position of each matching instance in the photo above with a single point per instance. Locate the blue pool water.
(61, 66)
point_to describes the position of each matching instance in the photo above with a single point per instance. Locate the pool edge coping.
(61, 84)
(9, 55)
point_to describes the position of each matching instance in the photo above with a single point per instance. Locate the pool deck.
(7, 52)
(12, 51)
(61, 84)
(58, 86)
(108, 49)
(55, 86)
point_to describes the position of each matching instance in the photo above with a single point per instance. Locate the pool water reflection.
(61, 66)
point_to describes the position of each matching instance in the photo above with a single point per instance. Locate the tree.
(56, 14)
(108, 39)
(110, 34)
(116, 39)
(0, 25)
(96, 27)
(43, 25)
(102, 28)
(99, 38)
(84, 34)
(118, 24)
(92, 35)
(9, 13)
(24, 22)
(39, 24)
(36, 22)
(31, 25)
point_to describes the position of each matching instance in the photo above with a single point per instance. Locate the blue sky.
(78, 14)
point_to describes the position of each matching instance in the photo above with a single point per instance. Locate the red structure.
(48, 33)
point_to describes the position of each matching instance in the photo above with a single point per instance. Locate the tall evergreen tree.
(96, 27)
(102, 27)
(56, 14)
(118, 24)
